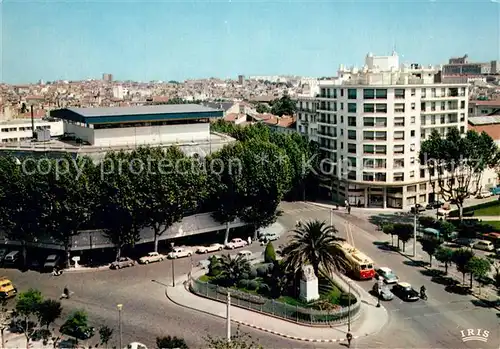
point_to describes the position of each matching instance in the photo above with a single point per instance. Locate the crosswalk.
(305, 209)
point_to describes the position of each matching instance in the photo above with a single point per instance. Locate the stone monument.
(308, 284)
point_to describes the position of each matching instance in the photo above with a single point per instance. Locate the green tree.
(427, 222)
(266, 174)
(459, 162)
(23, 199)
(479, 268)
(119, 211)
(171, 186)
(497, 277)
(388, 229)
(214, 267)
(284, 106)
(48, 312)
(444, 255)
(105, 335)
(446, 229)
(238, 341)
(461, 258)
(76, 325)
(315, 243)
(26, 311)
(70, 191)
(169, 342)
(232, 269)
(404, 232)
(269, 253)
(262, 108)
(430, 246)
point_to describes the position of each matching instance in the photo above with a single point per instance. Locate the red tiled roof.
(160, 99)
(493, 130)
(495, 102)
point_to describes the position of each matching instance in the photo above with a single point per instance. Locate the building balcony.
(326, 134)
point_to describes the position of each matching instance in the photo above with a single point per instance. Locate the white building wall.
(19, 130)
(82, 132)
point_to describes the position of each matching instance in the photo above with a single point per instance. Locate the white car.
(387, 275)
(443, 212)
(211, 248)
(151, 257)
(264, 238)
(236, 243)
(484, 194)
(248, 255)
(179, 252)
(484, 245)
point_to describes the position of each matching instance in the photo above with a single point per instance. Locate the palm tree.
(315, 243)
(232, 269)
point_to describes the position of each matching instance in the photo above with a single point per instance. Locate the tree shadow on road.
(385, 246)
(432, 272)
(485, 303)
(458, 289)
(412, 263)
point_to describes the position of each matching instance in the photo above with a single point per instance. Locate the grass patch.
(494, 224)
(490, 208)
(333, 296)
(205, 278)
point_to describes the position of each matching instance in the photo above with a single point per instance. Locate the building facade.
(369, 124)
(20, 130)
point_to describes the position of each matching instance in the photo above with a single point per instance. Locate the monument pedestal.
(309, 290)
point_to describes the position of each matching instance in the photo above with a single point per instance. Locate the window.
(462, 104)
(412, 92)
(381, 94)
(368, 93)
(381, 108)
(399, 108)
(378, 135)
(412, 133)
(399, 163)
(341, 92)
(399, 121)
(412, 119)
(351, 175)
(462, 129)
(334, 93)
(422, 173)
(374, 149)
(422, 186)
(351, 107)
(412, 147)
(341, 106)
(462, 117)
(368, 176)
(341, 145)
(368, 122)
(412, 160)
(423, 93)
(413, 106)
(399, 177)
(399, 135)
(351, 134)
(351, 148)
(351, 162)
(411, 188)
(351, 93)
(433, 106)
(399, 149)
(399, 93)
(374, 163)
(369, 108)
(374, 122)
(351, 121)
(368, 135)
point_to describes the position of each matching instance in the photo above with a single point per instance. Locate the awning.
(431, 231)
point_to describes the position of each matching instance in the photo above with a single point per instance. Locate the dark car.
(122, 262)
(404, 291)
(419, 208)
(81, 333)
(434, 205)
(51, 262)
(3, 253)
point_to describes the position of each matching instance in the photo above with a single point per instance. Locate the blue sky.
(177, 40)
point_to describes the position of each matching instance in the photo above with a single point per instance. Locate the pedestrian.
(349, 209)
(348, 336)
(249, 240)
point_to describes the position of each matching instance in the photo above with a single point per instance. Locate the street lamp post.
(349, 309)
(379, 291)
(173, 265)
(228, 317)
(415, 229)
(331, 216)
(120, 307)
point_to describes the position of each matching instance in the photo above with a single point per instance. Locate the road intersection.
(147, 313)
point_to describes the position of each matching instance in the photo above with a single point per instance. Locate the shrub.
(243, 283)
(270, 268)
(264, 289)
(344, 299)
(253, 285)
(253, 273)
(214, 267)
(262, 271)
(245, 276)
(269, 253)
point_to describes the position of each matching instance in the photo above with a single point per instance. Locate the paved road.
(424, 324)
(147, 313)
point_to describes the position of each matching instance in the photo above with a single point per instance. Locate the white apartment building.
(370, 123)
(19, 130)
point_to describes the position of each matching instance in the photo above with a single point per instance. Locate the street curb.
(260, 328)
(494, 306)
(86, 270)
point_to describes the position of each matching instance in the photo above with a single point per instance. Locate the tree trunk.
(3, 339)
(398, 241)
(25, 253)
(118, 252)
(430, 260)
(404, 246)
(471, 280)
(255, 233)
(155, 241)
(392, 240)
(460, 211)
(226, 236)
(66, 254)
(463, 279)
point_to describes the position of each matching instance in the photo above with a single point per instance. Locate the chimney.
(32, 122)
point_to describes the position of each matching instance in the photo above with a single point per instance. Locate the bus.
(361, 265)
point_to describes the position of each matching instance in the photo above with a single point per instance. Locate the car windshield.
(51, 258)
(6, 284)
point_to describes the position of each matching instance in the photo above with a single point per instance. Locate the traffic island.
(369, 319)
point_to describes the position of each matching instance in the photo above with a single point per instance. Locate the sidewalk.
(85, 269)
(370, 319)
(18, 341)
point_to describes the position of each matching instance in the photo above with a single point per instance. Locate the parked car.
(3, 253)
(122, 262)
(12, 258)
(434, 205)
(495, 191)
(484, 194)
(151, 257)
(81, 333)
(265, 238)
(7, 289)
(387, 275)
(179, 252)
(246, 254)
(385, 293)
(484, 245)
(51, 262)
(469, 242)
(236, 243)
(211, 248)
(405, 291)
(443, 212)
(419, 208)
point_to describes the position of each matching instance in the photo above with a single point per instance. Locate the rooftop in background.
(136, 113)
(495, 102)
(484, 120)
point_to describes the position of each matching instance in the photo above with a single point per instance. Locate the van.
(484, 245)
(12, 257)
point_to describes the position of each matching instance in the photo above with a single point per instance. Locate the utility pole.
(228, 317)
(331, 216)
(120, 307)
(349, 309)
(415, 230)
(173, 265)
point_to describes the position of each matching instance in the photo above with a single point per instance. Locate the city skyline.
(179, 41)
